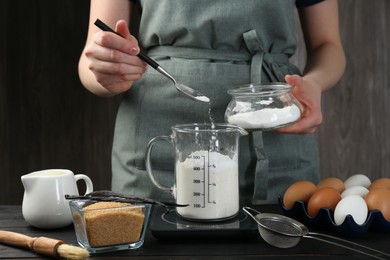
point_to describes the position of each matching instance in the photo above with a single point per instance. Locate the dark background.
(48, 120)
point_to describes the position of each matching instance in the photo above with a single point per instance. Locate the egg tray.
(324, 220)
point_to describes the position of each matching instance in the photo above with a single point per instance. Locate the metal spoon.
(189, 92)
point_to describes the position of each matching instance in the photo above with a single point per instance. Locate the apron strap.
(261, 169)
(242, 56)
(257, 64)
(255, 48)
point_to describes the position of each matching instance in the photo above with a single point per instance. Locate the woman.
(211, 46)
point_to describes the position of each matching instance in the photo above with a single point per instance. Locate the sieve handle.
(313, 235)
(249, 210)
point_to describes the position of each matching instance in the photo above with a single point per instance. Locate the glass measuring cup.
(206, 169)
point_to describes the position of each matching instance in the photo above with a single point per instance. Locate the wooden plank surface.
(234, 249)
(47, 119)
(354, 136)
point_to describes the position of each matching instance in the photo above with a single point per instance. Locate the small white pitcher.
(44, 204)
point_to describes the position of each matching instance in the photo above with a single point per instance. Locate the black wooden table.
(11, 219)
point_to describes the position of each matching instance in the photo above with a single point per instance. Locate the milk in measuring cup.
(208, 182)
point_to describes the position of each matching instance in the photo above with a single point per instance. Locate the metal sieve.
(284, 232)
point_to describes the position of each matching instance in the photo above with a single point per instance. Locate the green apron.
(211, 46)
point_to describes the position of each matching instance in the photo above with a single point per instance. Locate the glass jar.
(264, 106)
(103, 227)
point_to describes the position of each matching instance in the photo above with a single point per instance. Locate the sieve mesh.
(278, 240)
(278, 232)
(281, 226)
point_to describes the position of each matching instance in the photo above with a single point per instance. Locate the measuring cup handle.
(148, 161)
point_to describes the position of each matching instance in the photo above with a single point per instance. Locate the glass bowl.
(265, 106)
(109, 226)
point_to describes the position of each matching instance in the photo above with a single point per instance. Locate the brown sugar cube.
(113, 223)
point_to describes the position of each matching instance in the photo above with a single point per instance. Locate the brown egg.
(298, 191)
(380, 183)
(379, 199)
(323, 198)
(332, 182)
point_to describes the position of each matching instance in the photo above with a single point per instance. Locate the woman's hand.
(308, 93)
(113, 60)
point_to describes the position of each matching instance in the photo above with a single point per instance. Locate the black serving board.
(167, 224)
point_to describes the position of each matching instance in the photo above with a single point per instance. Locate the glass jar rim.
(205, 127)
(262, 89)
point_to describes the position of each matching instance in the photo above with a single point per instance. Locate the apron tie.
(256, 50)
(261, 61)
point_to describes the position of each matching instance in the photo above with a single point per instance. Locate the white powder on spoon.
(267, 118)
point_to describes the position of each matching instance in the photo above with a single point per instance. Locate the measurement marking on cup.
(201, 181)
(209, 183)
(204, 181)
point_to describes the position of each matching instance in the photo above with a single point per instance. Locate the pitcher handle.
(148, 162)
(87, 180)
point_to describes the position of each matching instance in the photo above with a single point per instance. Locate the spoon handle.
(141, 55)
(148, 60)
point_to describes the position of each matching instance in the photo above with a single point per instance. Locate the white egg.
(357, 180)
(353, 205)
(355, 190)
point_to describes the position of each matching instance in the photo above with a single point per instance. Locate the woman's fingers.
(309, 96)
(112, 55)
(114, 68)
